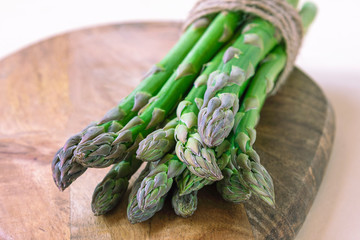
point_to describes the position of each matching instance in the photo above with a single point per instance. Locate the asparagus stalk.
(188, 182)
(158, 143)
(113, 155)
(158, 182)
(226, 85)
(161, 141)
(232, 187)
(65, 171)
(160, 73)
(111, 189)
(247, 161)
(190, 149)
(184, 205)
(108, 147)
(134, 213)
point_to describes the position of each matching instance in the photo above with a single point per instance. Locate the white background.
(330, 55)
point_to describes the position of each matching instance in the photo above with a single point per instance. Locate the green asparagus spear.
(158, 143)
(232, 187)
(134, 213)
(111, 189)
(102, 151)
(247, 161)
(184, 205)
(188, 182)
(64, 169)
(108, 147)
(190, 149)
(226, 85)
(158, 182)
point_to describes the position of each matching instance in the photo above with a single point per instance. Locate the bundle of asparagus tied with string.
(192, 119)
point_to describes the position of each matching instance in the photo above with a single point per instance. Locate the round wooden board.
(53, 89)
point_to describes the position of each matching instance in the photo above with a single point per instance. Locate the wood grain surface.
(54, 88)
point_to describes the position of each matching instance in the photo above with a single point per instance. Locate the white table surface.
(330, 55)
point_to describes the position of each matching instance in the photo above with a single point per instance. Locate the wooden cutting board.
(54, 88)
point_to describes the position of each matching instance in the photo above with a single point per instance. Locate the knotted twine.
(281, 14)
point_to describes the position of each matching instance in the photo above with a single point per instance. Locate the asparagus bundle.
(221, 101)
(109, 146)
(233, 187)
(231, 77)
(212, 134)
(64, 167)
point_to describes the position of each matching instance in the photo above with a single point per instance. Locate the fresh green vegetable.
(158, 182)
(190, 149)
(134, 213)
(213, 134)
(64, 169)
(158, 143)
(107, 148)
(64, 166)
(184, 205)
(232, 187)
(111, 189)
(188, 182)
(247, 161)
(228, 83)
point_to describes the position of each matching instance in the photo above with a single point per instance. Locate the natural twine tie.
(280, 13)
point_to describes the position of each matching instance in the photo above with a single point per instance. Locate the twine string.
(281, 14)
